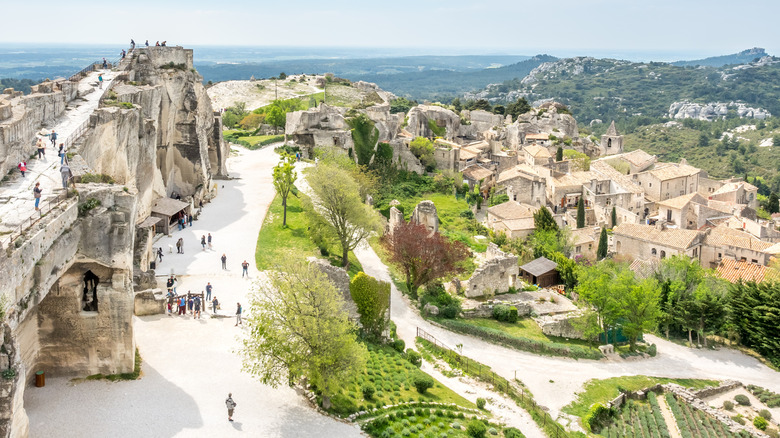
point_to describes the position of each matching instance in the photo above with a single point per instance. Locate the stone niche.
(85, 323)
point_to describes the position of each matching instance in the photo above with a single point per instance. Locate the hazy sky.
(560, 27)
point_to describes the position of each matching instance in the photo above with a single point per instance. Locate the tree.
(401, 105)
(423, 256)
(372, 298)
(276, 114)
(520, 106)
(559, 154)
(581, 213)
(543, 220)
(365, 136)
(422, 148)
(754, 312)
(601, 251)
(679, 276)
(336, 197)
(298, 328)
(252, 121)
(601, 286)
(772, 205)
(282, 75)
(640, 304)
(284, 180)
(458, 106)
(614, 217)
(704, 140)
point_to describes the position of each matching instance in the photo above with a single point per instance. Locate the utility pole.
(276, 89)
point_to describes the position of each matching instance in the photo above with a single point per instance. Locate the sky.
(657, 28)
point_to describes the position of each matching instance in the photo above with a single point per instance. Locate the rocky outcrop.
(425, 214)
(422, 117)
(340, 280)
(545, 119)
(715, 110)
(560, 325)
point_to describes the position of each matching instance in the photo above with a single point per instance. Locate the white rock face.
(714, 110)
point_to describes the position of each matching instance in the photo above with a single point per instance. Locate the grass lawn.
(390, 373)
(256, 141)
(524, 328)
(601, 391)
(451, 223)
(274, 240)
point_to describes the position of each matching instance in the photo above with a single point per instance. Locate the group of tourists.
(65, 172)
(189, 302)
(184, 220)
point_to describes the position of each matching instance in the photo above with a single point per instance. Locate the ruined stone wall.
(425, 214)
(496, 275)
(340, 279)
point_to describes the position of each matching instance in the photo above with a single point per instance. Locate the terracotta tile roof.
(537, 151)
(675, 238)
(672, 171)
(681, 201)
(512, 210)
(644, 268)
(638, 157)
(526, 223)
(466, 154)
(724, 236)
(734, 270)
(477, 173)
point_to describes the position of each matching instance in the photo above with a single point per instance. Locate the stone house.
(584, 242)
(623, 191)
(540, 139)
(536, 155)
(541, 272)
(523, 184)
(496, 275)
(611, 141)
(513, 218)
(637, 161)
(566, 190)
(683, 211)
(668, 180)
(646, 241)
(477, 174)
(722, 242)
(763, 231)
(738, 192)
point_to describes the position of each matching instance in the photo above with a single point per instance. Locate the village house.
(736, 270)
(722, 242)
(668, 180)
(512, 218)
(683, 211)
(637, 161)
(646, 241)
(479, 175)
(584, 243)
(540, 139)
(523, 184)
(611, 141)
(535, 155)
(738, 192)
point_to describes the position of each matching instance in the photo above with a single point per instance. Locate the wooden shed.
(168, 209)
(542, 272)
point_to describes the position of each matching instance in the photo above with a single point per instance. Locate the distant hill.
(439, 85)
(22, 85)
(353, 67)
(639, 93)
(743, 57)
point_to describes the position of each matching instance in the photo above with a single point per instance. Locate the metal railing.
(484, 373)
(45, 207)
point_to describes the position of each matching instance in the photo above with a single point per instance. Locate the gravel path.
(554, 380)
(189, 365)
(671, 423)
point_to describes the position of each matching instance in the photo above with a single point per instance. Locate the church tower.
(611, 142)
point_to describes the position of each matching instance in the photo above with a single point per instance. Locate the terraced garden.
(639, 419)
(695, 423)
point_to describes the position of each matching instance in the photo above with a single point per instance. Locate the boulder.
(420, 116)
(430, 309)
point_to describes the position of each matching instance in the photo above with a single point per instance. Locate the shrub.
(477, 429)
(505, 313)
(739, 419)
(342, 405)
(101, 178)
(513, 432)
(89, 204)
(414, 357)
(399, 345)
(742, 399)
(368, 391)
(728, 405)
(760, 423)
(481, 403)
(652, 350)
(450, 312)
(372, 298)
(597, 417)
(422, 382)
(493, 431)
(765, 414)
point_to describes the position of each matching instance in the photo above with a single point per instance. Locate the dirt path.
(671, 423)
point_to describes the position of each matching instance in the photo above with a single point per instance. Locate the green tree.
(581, 213)
(365, 136)
(704, 140)
(614, 217)
(679, 276)
(401, 105)
(276, 112)
(336, 197)
(284, 180)
(601, 286)
(422, 148)
(372, 298)
(458, 106)
(520, 106)
(298, 328)
(543, 220)
(640, 305)
(559, 154)
(601, 251)
(772, 205)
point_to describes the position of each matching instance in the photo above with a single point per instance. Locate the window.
(653, 251)
(578, 249)
(695, 252)
(609, 143)
(663, 254)
(720, 256)
(754, 261)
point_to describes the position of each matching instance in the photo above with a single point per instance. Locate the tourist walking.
(190, 303)
(244, 269)
(170, 303)
(231, 406)
(215, 304)
(197, 308)
(208, 291)
(238, 314)
(66, 175)
(100, 81)
(53, 138)
(61, 153)
(224, 262)
(178, 246)
(189, 220)
(41, 148)
(123, 53)
(209, 240)
(203, 242)
(160, 253)
(105, 64)
(37, 194)
(22, 167)
(182, 305)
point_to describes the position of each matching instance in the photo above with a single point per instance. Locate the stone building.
(425, 213)
(738, 192)
(646, 241)
(541, 272)
(611, 141)
(668, 180)
(512, 218)
(523, 184)
(723, 242)
(496, 275)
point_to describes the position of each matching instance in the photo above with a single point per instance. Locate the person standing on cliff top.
(132, 44)
(100, 81)
(105, 64)
(147, 43)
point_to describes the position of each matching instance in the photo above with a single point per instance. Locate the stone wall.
(560, 325)
(425, 214)
(497, 274)
(149, 302)
(340, 279)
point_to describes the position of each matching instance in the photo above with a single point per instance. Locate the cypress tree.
(559, 154)
(601, 252)
(773, 204)
(544, 221)
(614, 217)
(580, 213)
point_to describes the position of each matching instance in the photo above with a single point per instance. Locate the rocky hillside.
(606, 89)
(743, 57)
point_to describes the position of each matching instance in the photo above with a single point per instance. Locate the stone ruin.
(496, 275)
(424, 213)
(561, 325)
(340, 280)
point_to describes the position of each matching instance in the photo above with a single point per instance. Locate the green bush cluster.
(728, 405)
(652, 350)
(504, 313)
(89, 204)
(598, 417)
(539, 347)
(399, 345)
(422, 382)
(449, 306)
(368, 391)
(476, 429)
(638, 419)
(173, 66)
(742, 399)
(481, 403)
(101, 178)
(413, 357)
(760, 423)
(766, 396)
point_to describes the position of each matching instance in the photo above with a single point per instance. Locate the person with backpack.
(197, 307)
(22, 167)
(238, 314)
(37, 194)
(160, 253)
(231, 406)
(182, 305)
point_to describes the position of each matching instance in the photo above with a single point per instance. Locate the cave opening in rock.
(91, 281)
